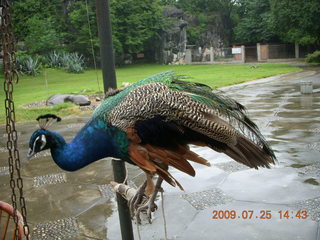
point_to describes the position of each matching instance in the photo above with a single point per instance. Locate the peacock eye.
(39, 143)
(43, 141)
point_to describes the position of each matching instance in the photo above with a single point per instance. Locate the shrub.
(313, 57)
(28, 65)
(54, 60)
(74, 67)
(74, 63)
(42, 36)
(64, 58)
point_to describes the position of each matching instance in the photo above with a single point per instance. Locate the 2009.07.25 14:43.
(262, 214)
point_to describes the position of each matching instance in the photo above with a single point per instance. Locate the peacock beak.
(30, 154)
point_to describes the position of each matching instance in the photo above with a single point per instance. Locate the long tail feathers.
(234, 114)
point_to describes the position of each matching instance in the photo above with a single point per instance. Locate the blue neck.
(95, 141)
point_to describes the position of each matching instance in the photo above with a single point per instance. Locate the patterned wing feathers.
(153, 99)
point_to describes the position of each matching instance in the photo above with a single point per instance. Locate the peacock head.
(40, 139)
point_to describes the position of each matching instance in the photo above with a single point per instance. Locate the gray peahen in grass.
(150, 124)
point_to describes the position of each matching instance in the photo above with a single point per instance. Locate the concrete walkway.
(275, 198)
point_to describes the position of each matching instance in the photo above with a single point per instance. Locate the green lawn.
(52, 81)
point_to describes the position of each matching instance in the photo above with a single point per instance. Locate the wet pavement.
(225, 201)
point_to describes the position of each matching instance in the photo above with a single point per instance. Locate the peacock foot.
(137, 199)
(148, 208)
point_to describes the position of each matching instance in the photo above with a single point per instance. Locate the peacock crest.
(45, 121)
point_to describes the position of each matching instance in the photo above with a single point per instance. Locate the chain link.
(11, 76)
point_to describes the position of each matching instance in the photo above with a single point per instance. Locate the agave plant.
(29, 66)
(73, 67)
(74, 63)
(64, 58)
(54, 60)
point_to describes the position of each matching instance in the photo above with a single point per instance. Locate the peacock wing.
(162, 117)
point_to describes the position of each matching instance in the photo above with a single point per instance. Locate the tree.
(64, 23)
(254, 24)
(296, 21)
(23, 10)
(41, 37)
(77, 36)
(134, 23)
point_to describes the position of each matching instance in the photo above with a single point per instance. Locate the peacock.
(151, 124)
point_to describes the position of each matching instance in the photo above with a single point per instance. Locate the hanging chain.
(11, 76)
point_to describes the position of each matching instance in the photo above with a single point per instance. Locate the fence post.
(258, 52)
(211, 55)
(243, 54)
(188, 57)
(296, 50)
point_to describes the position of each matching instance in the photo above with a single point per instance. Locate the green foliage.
(63, 25)
(64, 59)
(28, 65)
(55, 25)
(296, 21)
(77, 33)
(42, 36)
(43, 10)
(313, 57)
(72, 62)
(254, 25)
(54, 60)
(135, 23)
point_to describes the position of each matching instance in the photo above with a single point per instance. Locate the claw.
(137, 199)
(150, 205)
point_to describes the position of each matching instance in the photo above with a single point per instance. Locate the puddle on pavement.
(82, 202)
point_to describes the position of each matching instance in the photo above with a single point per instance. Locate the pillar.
(243, 55)
(296, 48)
(258, 52)
(211, 55)
(188, 57)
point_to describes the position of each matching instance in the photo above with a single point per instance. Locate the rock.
(174, 37)
(173, 11)
(62, 98)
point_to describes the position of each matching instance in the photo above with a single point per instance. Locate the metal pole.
(106, 46)
(109, 81)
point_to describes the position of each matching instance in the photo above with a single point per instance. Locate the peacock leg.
(137, 198)
(150, 205)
